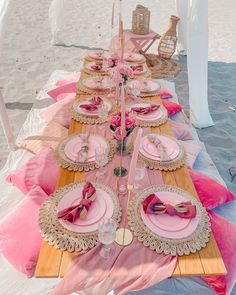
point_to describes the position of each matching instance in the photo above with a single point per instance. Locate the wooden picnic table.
(53, 262)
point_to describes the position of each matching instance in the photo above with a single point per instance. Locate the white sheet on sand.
(13, 282)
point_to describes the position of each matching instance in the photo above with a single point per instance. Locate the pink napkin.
(69, 79)
(65, 89)
(96, 100)
(97, 66)
(89, 107)
(80, 210)
(145, 110)
(153, 205)
(137, 68)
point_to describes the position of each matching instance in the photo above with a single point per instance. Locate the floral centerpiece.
(115, 126)
(113, 60)
(121, 73)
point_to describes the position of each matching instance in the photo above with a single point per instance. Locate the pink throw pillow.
(225, 235)
(41, 170)
(172, 107)
(60, 92)
(59, 111)
(164, 93)
(210, 192)
(69, 79)
(192, 151)
(181, 131)
(48, 137)
(20, 239)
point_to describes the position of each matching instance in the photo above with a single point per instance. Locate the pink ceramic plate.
(148, 117)
(146, 86)
(133, 57)
(91, 113)
(166, 226)
(97, 54)
(98, 83)
(101, 208)
(73, 146)
(150, 151)
(89, 66)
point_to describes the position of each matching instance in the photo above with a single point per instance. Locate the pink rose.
(117, 134)
(115, 120)
(113, 60)
(129, 123)
(125, 70)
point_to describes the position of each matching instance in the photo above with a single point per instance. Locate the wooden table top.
(208, 261)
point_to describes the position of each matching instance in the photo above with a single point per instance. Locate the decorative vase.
(141, 20)
(168, 41)
(121, 146)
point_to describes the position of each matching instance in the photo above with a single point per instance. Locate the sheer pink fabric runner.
(134, 267)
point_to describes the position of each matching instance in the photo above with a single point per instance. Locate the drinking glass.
(135, 90)
(107, 235)
(101, 159)
(139, 174)
(103, 112)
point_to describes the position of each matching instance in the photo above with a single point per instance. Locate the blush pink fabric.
(59, 93)
(225, 235)
(210, 192)
(182, 132)
(172, 107)
(41, 170)
(164, 93)
(131, 268)
(20, 239)
(68, 79)
(48, 137)
(59, 112)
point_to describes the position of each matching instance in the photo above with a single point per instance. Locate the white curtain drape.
(6, 125)
(197, 57)
(182, 8)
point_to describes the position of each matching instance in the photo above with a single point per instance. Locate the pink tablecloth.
(132, 268)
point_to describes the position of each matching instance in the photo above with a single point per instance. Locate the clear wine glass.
(101, 159)
(139, 174)
(107, 235)
(135, 90)
(103, 112)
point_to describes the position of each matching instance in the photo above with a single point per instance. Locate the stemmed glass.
(107, 235)
(101, 159)
(135, 90)
(139, 174)
(103, 112)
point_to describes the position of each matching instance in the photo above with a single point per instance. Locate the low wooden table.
(208, 261)
(141, 42)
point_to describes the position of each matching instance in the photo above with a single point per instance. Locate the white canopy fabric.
(193, 40)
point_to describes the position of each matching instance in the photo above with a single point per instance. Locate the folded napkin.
(146, 110)
(153, 205)
(137, 68)
(80, 210)
(159, 145)
(89, 107)
(83, 152)
(96, 100)
(68, 88)
(97, 66)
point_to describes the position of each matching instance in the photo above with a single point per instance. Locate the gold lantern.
(141, 20)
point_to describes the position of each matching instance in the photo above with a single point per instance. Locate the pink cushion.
(60, 92)
(48, 137)
(19, 234)
(225, 235)
(210, 192)
(181, 131)
(192, 151)
(41, 170)
(172, 107)
(69, 79)
(59, 112)
(164, 93)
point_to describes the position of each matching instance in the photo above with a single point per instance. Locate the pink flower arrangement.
(121, 73)
(115, 123)
(113, 60)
